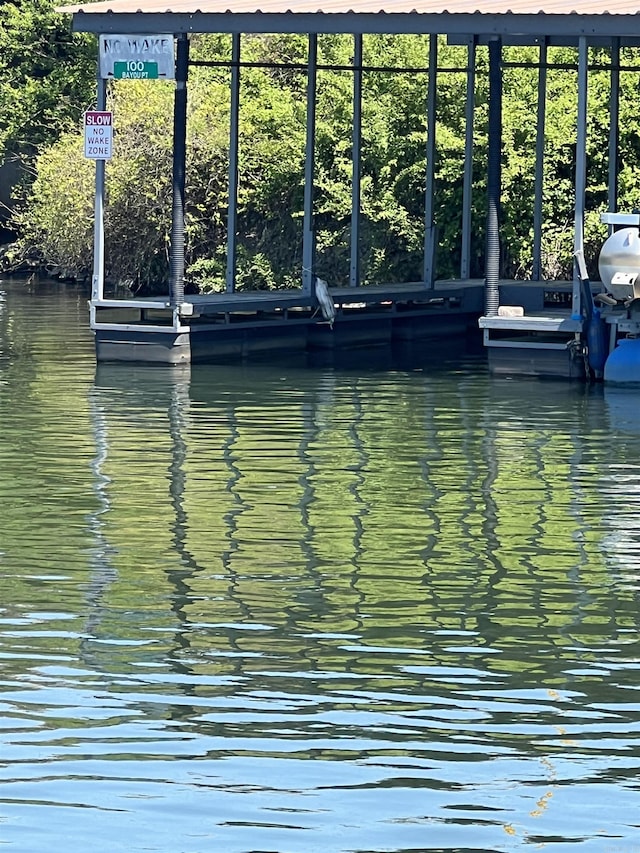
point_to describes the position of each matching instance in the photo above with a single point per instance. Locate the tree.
(46, 80)
(46, 75)
(271, 164)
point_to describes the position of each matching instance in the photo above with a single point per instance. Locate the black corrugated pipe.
(492, 258)
(176, 280)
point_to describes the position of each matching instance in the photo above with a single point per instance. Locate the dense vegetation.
(44, 73)
(45, 80)
(42, 114)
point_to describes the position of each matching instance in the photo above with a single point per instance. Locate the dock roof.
(520, 18)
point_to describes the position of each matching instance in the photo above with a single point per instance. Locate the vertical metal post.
(354, 268)
(467, 182)
(97, 280)
(538, 194)
(429, 224)
(176, 280)
(234, 131)
(494, 180)
(614, 128)
(308, 236)
(581, 169)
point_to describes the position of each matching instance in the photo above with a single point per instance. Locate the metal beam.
(234, 124)
(429, 224)
(614, 128)
(494, 180)
(308, 229)
(467, 181)
(354, 268)
(581, 170)
(538, 192)
(176, 280)
(551, 41)
(466, 24)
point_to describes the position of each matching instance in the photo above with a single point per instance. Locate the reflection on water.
(290, 608)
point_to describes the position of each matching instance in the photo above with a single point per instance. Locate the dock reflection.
(324, 503)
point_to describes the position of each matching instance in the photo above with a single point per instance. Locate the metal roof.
(374, 7)
(478, 17)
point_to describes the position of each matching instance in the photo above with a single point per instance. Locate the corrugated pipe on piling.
(176, 282)
(492, 257)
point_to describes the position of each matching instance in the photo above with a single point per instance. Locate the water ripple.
(260, 607)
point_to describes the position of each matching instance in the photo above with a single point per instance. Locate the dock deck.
(259, 300)
(541, 343)
(227, 325)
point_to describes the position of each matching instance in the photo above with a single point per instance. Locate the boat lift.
(521, 333)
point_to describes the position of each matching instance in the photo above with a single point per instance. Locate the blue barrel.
(623, 365)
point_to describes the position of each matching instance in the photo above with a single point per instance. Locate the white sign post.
(98, 134)
(137, 57)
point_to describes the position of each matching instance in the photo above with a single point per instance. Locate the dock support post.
(234, 131)
(97, 279)
(308, 236)
(356, 152)
(538, 192)
(614, 129)
(429, 224)
(581, 170)
(467, 182)
(176, 280)
(494, 156)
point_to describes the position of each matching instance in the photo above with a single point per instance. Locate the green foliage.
(60, 225)
(272, 160)
(59, 218)
(46, 75)
(138, 181)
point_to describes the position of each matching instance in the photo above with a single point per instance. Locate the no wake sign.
(136, 57)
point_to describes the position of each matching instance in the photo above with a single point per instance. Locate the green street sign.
(135, 69)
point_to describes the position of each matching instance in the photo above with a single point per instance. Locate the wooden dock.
(222, 326)
(183, 328)
(236, 325)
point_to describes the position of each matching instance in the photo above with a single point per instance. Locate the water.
(281, 608)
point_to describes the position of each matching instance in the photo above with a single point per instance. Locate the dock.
(540, 338)
(536, 327)
(238, 325)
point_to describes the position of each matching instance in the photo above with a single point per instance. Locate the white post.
(97, 280)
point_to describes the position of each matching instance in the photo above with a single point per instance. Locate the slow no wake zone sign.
(98, 135)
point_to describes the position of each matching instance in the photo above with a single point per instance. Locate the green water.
(390, 605)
